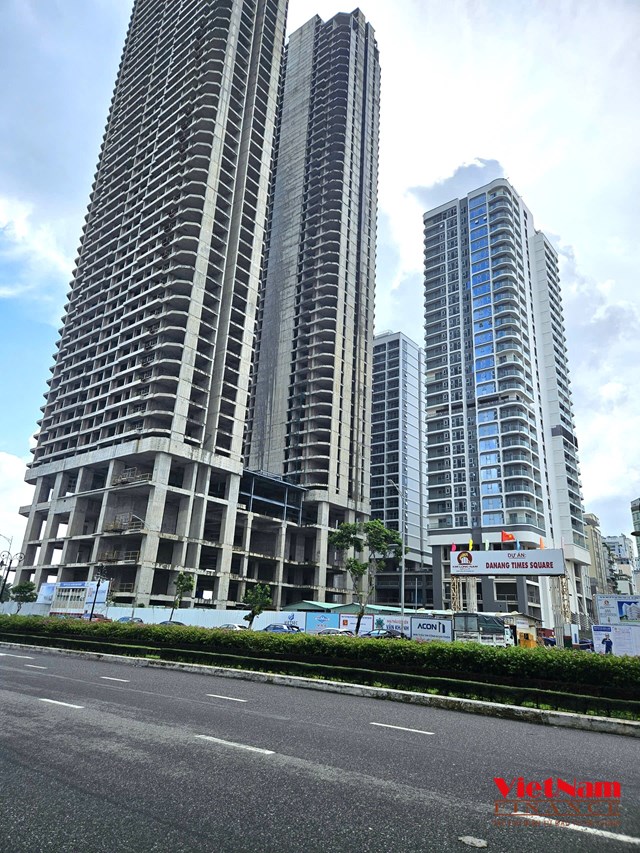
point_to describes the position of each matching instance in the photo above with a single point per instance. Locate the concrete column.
(438, 578)
(227, 532)
(521, 588)
(279, 550)
(322, 548)
(489, 603)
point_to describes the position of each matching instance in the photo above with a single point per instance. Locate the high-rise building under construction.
(139, 458)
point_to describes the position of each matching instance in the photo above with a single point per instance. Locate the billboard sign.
(73, 598)
(542, 561)
(393, 623)
(317, 621)
(620, 639)
(349, 621)
(618, 609)
(425, 628)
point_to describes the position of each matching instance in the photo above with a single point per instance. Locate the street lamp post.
(401, 495)
(6, 565)
(99, 575)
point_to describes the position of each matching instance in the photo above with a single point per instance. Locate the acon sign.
(424, 629)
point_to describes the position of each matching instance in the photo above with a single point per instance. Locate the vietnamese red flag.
(508, 537)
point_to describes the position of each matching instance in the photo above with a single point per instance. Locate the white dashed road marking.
(8, 655)
(65, 704)
(229, 698)
(401, 728)
(237, 745)
(589, 830)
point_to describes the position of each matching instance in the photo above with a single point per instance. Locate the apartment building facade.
(501, 445)
(399, 464)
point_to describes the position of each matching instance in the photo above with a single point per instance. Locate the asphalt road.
(101, 757)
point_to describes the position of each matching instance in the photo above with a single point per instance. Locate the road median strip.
(629, 728)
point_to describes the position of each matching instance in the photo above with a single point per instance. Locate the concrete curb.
(564, 719)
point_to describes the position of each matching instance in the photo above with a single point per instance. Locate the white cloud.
(32, 258)
(14, 492)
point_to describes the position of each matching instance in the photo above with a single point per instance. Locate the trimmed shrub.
(578, 673)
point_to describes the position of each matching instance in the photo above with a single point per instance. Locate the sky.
(543, 92)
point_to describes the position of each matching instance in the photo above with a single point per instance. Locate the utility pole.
(98, 575)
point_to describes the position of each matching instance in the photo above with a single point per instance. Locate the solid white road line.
(7, 655)
(55, 702)
(35, 666)
(401, 728)
(237, 745)
(109, 678)
(589, 830)
(229, 698)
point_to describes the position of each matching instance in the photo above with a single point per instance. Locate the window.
(485, 375)
(489, 473)
(489, 458)
(492, 518)
(488, 429)
(492, 503)
(487, 415)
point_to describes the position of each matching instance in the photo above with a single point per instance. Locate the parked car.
(336, 632)
(131, 619)
(170, 622)
(97, 617)
(232, 626)
(281, 628)
(384, 634)
(585, 645)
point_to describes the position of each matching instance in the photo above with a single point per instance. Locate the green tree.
(6, 593)
(257, 599)
(184, 585)
(23, 593)
(380, 543)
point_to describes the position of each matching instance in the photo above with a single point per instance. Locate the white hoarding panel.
(424, 629)
(618, 609)
(317, 621)
(393, 623)
(46, 593)
(349, 621)
(621, 639)
(544, 561)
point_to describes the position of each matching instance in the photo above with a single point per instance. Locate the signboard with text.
(618, 609)
(619, 639)
(349, 621)
(318, 621)
(424, 629)
(393, 623)
(543, 561)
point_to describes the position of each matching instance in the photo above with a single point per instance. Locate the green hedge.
(546, 669)
(461, 688)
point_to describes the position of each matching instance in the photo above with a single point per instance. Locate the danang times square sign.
(543, 561)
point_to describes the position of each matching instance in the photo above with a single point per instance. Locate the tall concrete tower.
(501, 446)
(310, 413)
(138, 459)
(399, 464)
